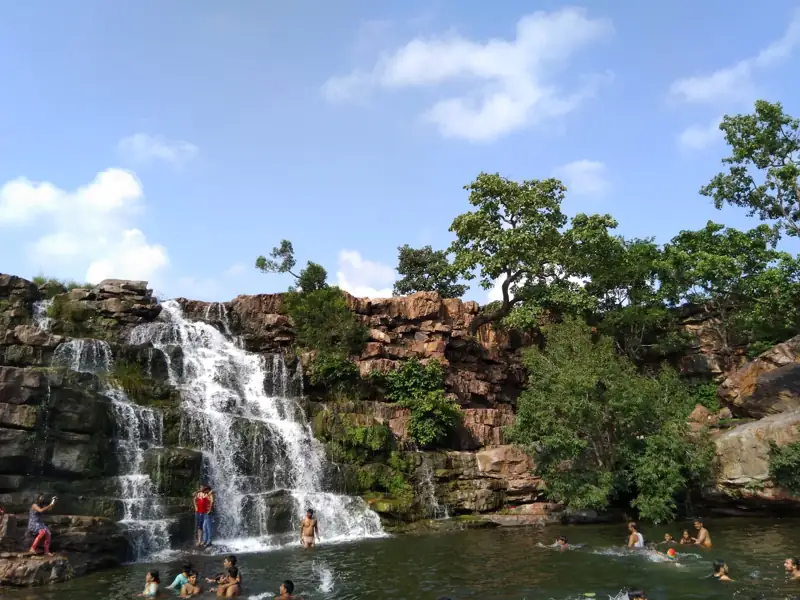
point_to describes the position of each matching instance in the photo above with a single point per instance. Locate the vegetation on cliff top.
(601, 431)
(784, 466)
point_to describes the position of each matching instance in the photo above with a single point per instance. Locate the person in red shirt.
(203, 505)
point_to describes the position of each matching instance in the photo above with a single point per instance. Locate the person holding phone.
(35, 525)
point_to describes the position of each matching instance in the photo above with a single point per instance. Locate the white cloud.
(364, 278)
(143, 149)
(510, 83)
(91, 227)
(236, 270)
(698, 137)
(736, 82)
(584, 177)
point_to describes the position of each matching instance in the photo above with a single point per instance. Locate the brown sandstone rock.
(767, 385)
(22, 570)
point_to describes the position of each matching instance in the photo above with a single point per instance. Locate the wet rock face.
(769, 384)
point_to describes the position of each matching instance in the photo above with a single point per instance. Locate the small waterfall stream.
(40, 318)
(427, 492)
(242, 411)
(137, 429)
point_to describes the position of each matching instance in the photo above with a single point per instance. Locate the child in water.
(151, 581)
(686, 539)
(668, 539)
(181, 578)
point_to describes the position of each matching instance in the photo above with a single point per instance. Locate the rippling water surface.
(496, 564)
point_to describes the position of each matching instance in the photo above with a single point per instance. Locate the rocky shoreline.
(58, 431)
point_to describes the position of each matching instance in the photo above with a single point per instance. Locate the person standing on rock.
(203, 505)
(35, 525)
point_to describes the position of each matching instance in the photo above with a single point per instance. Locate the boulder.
(25, 570)
(767, 385)
(742, 463)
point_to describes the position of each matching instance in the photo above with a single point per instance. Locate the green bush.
(600, 430)
(705, 394)
(335, 372)
(434, 416)
(54, 286)
(130, 378)
(412, 379)
(323, 321)
(358, 445)
(784, 466)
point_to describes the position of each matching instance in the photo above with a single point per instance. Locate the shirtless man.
(703, 538)
(191, 587)
(285, 592)
(792, 568)
(309, 530)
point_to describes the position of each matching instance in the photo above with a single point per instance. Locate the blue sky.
(178, 141)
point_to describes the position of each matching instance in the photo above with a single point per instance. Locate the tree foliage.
(784, 466)
(598, 428)
(322, 319)
(426, 270)
(514, 237)
(764, 166)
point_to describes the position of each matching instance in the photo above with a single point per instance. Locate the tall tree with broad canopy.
(764, 166)
(513, 238)
(426, 270)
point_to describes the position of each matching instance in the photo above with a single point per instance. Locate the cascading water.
(243, 412)
(40, 318)
(427, 492)
(137, 429)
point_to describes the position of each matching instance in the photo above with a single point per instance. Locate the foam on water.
(325, 576)
(243, 412)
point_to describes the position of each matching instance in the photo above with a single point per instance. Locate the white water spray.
(40, 318)
(137, 429)
(427, 492)
(243, 412)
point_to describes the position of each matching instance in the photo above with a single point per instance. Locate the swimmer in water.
(637, 595)
(792, 568)
(686, 539)
(669, 540)
(561, 543)
(703, 537)
(721, 570)
(635, 539)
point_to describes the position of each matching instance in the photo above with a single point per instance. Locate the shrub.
(784, 466)
(335, 372)
(412, 379)
(434, 416)
(600, 430)
(705, 394)
(323, 322)
(361, 444)
(129, 377)
(54, 286)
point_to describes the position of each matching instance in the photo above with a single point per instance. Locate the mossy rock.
(174, 471)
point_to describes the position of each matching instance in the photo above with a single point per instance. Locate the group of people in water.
(636, 541)
(227, 584)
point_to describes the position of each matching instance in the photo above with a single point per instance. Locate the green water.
(497, 564)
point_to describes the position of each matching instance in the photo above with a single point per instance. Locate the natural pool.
(497, 564)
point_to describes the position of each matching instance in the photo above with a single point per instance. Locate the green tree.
(764, 166)
(598, 428)
(426, 270)
(282, 260)
(513, 236)
(322, 318)
(738, 275)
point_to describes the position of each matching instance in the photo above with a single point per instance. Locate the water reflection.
(500, 564)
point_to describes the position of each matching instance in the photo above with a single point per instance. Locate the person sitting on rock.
(35, 525)
(191, 587)
(182, 578)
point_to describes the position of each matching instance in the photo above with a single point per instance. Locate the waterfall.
(40, 318)
(136, 429)
(427, 492)
(242, 411)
